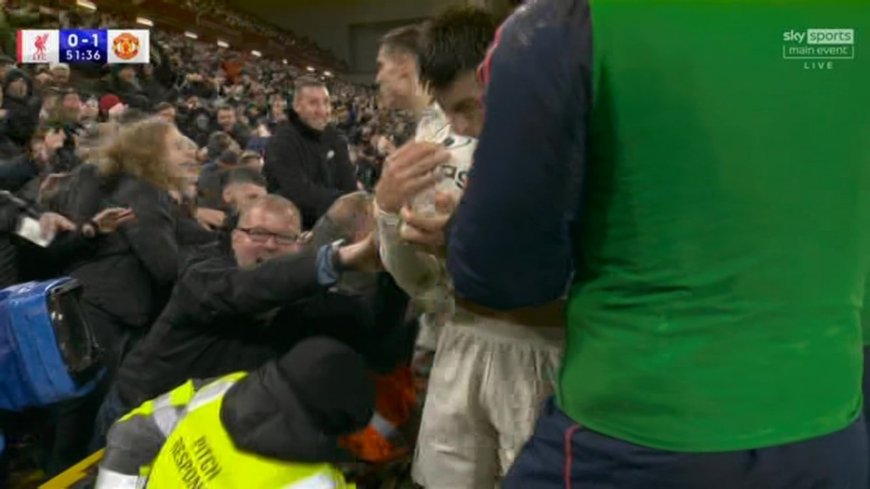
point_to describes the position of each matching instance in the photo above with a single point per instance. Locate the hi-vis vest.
(199, 453)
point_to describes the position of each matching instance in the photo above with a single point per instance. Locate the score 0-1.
(83, 45)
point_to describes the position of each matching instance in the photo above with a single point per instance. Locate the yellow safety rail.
(76, 473)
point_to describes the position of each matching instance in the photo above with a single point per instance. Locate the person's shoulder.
(284, 133)
(544, 10)
(130, 190)
(207, 261)
(433, 125)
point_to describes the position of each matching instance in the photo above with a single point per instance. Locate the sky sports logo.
(819, 44)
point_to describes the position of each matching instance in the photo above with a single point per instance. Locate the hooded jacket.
(291, 409)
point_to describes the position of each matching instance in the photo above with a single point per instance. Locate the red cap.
(108, 101)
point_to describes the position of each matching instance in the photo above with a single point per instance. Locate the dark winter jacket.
(132, 272)
(309, 167)
(222, 318)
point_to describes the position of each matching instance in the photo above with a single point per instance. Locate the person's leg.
(525, 365)
(456, 447)
(562, 454)
(73, 425)
(75, 419)
(112, 409)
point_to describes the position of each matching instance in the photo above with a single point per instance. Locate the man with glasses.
(235, 311)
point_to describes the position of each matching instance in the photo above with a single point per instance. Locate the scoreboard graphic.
(97, 46)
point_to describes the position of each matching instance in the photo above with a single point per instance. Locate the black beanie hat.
(332, 382)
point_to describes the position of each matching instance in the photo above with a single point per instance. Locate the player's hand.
(407, 172)
(431, 230)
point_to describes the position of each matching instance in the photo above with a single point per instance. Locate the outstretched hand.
(363, 255)
(108, 220)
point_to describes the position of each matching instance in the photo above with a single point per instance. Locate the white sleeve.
(414, 270)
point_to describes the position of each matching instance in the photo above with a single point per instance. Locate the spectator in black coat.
(156, 91)
(194, 120)
(307, 160)
(22, 108)
(127, 281)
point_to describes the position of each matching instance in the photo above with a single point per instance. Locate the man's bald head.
(349, 218)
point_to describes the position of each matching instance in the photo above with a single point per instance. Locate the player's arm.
(510, 244)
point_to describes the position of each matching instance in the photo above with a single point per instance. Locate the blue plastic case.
(47, 350)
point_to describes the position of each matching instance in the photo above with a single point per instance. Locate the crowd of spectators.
(197, 79)
(133, 169)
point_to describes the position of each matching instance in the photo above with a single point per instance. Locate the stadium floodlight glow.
(144, 21)
(86, 4)
(191, 35)
(256, 53)
(310, 69)
(223, 44)
(328, 73)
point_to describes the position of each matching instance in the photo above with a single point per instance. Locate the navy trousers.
(563, 455)
(867, 397)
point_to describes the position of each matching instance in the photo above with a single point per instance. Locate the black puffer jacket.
(217, 321)
(222, 318)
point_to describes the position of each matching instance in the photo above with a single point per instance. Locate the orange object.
(370, 446)
(395, 402)
(396, 395)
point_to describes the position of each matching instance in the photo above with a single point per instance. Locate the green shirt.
(865, 314)
(722, 259)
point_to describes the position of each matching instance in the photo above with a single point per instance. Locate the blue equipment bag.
(47, 350)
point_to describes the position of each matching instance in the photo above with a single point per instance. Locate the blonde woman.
(128, 279)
